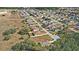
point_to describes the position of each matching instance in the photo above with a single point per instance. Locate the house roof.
(77, 24)
(56, 37)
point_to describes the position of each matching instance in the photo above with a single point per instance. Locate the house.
(55, 37)
(77, 26)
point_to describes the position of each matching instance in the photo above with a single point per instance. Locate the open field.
(44, 38)
(9, 21)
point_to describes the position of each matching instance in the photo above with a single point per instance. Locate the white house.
(55, 37)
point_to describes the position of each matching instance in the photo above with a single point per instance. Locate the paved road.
(42, 28)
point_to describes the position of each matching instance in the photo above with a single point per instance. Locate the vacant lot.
(43, 38)
(9, 21)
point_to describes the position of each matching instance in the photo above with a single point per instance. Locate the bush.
(33, 34)
(21, 38)
(10, 31)
(22, 47)
(28, 45)
(23, 32)
(7, 37)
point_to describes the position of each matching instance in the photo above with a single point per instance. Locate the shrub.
(10, 31)
(23, 32)
(21, 38)
(22, 47)
(7, 37)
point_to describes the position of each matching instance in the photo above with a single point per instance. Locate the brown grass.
(6, 22)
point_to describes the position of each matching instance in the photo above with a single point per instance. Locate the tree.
(22, 46)
(68, 42)
(28, 45)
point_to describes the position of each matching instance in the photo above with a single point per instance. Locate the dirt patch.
(7, 22)
(43, 38)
